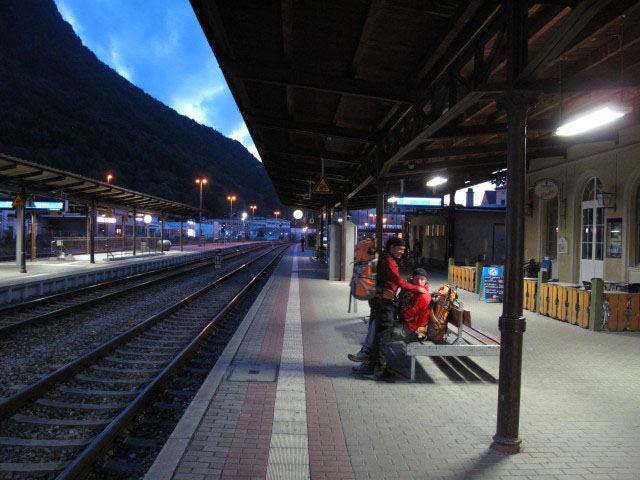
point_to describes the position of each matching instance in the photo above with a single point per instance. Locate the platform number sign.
(492, 284)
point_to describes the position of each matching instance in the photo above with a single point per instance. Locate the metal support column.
(181, 229)
(451, 226)
(161, 232)
(343, 247)
(322, 215)
(21, 254)
(34, 236)
(135, 228)
(123, 233)
(512, 324)
(379, 215)
(92, 233)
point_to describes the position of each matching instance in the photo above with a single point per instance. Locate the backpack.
(365, 263)
(442, 302)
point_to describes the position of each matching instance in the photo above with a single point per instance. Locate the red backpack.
(442, 302)
(365, 263)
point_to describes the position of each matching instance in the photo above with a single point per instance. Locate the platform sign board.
(322, 187)
(420, 202)
(492, 284)
(18, 201)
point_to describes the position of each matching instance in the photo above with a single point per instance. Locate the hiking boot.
(363, 369)
(383, 374)
(361, 356)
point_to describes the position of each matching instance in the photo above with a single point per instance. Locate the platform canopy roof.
(17, 174)
(407, 89)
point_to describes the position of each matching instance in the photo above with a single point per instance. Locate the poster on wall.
(614, 238)
(563, 245)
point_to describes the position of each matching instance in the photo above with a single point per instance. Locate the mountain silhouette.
(61, 106)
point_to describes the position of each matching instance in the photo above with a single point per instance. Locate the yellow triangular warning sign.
(18, 201)
(322, 187)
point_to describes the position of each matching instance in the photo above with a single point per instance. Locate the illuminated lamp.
(435, 181)
(590, 120)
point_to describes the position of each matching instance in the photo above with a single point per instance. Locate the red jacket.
(389, 276)
(416, 311)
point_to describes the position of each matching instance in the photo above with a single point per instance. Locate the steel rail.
(59, 296)
(4, 329)
(83, 462)
(15, 401)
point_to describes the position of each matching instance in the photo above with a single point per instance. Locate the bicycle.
(320, 255)
(531, 268)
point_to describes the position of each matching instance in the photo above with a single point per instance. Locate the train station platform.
(46, 276)
(282, 403)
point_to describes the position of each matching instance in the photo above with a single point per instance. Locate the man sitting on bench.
(414, 313)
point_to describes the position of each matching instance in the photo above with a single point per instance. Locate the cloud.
(117, 64)
(254, 151)
(69, 17)
(240, 133)
(194, 103)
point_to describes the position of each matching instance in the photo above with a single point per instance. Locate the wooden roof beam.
(577, 20)
(453, 30)
(324, 83)
(22, 175)
(314, 154)
(311, 129)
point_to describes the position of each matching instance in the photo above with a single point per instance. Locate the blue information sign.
(492, 284)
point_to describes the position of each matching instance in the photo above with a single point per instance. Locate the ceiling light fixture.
(435, 181)
(591, 120)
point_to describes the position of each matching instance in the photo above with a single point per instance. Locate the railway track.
(66, 429)
(15, 317)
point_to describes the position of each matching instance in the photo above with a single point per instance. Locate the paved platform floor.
(580, 406)
(44, 268)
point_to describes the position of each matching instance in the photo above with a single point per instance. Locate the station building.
(583, 211)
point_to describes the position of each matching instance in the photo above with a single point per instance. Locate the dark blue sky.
(159, 46)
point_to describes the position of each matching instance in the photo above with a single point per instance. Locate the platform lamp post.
(253, 210)
(276, 213)
(201, 182)
(109, 178)
(231, 198)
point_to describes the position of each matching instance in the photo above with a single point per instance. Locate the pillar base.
(506, 445)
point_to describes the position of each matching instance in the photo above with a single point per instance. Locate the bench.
(468, 342)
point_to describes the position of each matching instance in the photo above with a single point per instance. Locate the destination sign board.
(419, 202)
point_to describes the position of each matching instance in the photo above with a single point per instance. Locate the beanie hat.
(419, 271)
(395, 242)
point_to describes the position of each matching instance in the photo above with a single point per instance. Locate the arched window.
(593, 186)
(550, 247)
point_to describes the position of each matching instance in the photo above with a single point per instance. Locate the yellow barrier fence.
(625, 311)
(529, 298)
(568, 304)
(463, 277)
